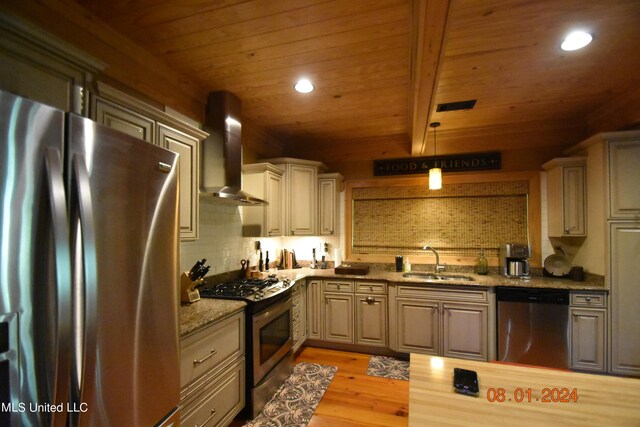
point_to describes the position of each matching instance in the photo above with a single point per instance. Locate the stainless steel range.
(268, 336)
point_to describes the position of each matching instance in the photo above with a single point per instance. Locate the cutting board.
(359, 270)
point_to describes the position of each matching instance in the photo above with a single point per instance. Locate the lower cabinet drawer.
(210, 347)
(586, 299)
(371, 288)
(219, 402)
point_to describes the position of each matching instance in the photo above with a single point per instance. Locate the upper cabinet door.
(566, 197)
(274, 214)
(38, 66)
(624, 178)
(124, 120)
(302, 199)
(329, 187)
(187, 147)
(574, 201)
(327, 190)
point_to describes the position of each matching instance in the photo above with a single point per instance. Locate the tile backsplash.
(222, 244)
(220, 241)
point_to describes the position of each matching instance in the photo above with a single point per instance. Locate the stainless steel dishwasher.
(533, 326)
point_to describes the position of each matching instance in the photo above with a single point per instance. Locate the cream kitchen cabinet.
(338, 317)
(300, 195)
(314, 309)
(299, 297)
(588, 320)
(611, 248)
(129, 115)
(264, 181)
(416, 326)
(624, 246)
(187, 147)
(624, 176)
(355, 312)
(124, 120)
(371, 313)
(338, 310)
(212, 369)
(39, 66)
(440, 321)
(329, 188)
(566, 196)
(465, 330)
(348, 312)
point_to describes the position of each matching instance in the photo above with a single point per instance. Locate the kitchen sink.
(436, 277)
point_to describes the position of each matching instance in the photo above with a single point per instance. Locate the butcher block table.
(518, 396)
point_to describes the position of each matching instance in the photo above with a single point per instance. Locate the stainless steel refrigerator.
(88, 272)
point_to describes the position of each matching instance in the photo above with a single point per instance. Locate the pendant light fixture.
(435, 173)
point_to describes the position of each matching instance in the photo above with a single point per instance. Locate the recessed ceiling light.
(576, 40)
(303, 86)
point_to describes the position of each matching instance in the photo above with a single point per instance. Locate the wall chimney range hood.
(221, 153)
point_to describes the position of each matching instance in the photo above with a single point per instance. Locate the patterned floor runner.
(388, 367)
(296, 400)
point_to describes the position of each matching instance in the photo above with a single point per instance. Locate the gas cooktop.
(247, 289)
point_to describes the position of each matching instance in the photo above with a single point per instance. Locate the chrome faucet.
(439, 267)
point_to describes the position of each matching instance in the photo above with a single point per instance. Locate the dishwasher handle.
(533, 295)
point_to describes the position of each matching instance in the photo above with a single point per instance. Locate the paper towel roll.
(337, 257)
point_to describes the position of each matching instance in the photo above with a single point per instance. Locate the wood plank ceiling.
(361, 55)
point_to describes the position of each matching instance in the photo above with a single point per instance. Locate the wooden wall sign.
(453, 163)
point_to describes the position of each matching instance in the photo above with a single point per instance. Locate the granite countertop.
(205, 311)
(591, 283)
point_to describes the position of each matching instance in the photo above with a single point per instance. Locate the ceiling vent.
(458, 105)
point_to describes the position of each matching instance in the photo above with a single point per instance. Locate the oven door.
(272, 337)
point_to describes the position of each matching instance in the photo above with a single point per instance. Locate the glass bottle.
(482, 267)
(406, 267)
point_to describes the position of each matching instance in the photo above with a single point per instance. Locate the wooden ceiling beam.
(429, 21)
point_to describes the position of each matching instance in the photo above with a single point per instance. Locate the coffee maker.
(514, 260)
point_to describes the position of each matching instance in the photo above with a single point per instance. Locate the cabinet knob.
(293, 232)
(213, 414)
(588, 299)
(371, 288)
(370, 300)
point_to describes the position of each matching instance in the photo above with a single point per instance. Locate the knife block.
(189, 292)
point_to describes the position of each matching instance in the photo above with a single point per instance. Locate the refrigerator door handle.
(62, 278)
(85, 276)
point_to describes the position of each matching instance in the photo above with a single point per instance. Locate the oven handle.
(262, 318)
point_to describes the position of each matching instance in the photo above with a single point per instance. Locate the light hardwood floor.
(354, 398)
